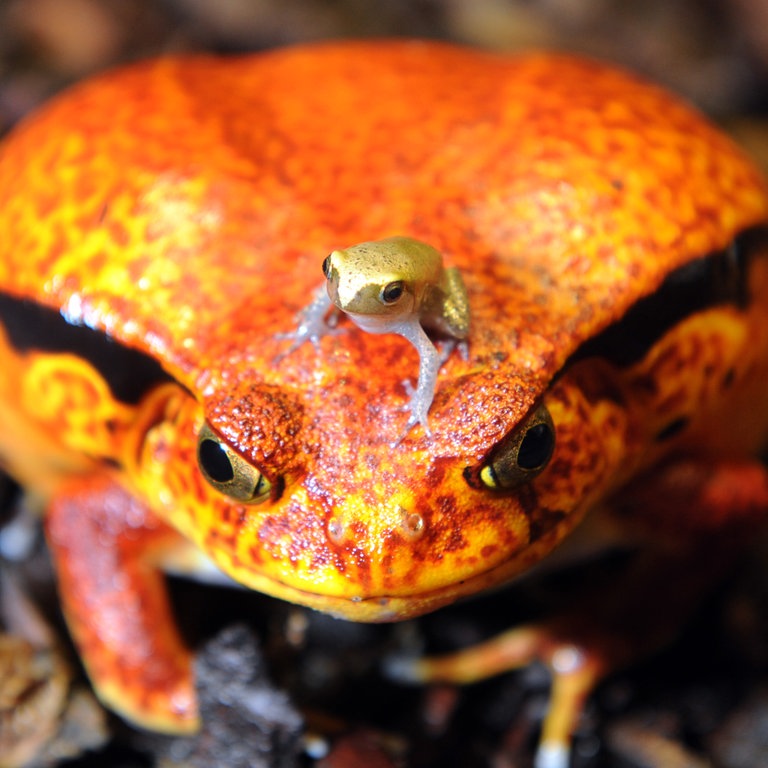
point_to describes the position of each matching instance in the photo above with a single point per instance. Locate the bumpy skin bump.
(183, 206)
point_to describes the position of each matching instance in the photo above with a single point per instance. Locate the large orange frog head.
(190, 204)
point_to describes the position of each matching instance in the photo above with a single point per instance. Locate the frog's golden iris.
(522, 455)
(229, 473)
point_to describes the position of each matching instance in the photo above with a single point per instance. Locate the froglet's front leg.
(430, 361)
(316, 320)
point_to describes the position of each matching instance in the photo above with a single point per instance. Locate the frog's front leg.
(105, 545)
(314, 322)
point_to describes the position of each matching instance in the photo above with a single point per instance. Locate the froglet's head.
(382, 282)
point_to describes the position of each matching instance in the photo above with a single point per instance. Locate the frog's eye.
(229, 473)
(327, 267)
(522, 455)
(392, 292)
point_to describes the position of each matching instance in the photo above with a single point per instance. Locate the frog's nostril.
(335, 530)
(413, 524)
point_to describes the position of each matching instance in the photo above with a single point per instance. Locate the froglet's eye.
(229, 473)
(522, 455)
(327, 267)
(392, 292)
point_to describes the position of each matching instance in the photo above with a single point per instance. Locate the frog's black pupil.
(327, 267)
(214, 460)
(536, 447)
(392, 292)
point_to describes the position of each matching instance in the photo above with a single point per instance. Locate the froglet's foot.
(415, 406)
(314, 323)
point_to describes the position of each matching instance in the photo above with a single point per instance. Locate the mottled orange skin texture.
(184, 207)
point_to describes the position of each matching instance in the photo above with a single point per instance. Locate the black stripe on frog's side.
(716, 279)
(34, 327)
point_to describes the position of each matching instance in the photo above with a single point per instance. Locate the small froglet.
(395, 285)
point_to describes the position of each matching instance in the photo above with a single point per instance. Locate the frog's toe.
(301, 336)
(297, 338)
(419, 403)
(552, 756)
(280, 356)
(402, 668)
(445, 349)
(410, 424)
(410, 390)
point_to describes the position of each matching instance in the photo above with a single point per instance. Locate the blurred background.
(713, 51)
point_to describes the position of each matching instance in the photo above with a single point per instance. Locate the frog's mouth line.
(380, 609)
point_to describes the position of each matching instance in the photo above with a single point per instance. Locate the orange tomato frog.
(165, 224)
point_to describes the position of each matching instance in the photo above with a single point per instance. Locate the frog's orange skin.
(184, 206)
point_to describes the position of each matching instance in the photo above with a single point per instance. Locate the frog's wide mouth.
(391, 608)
